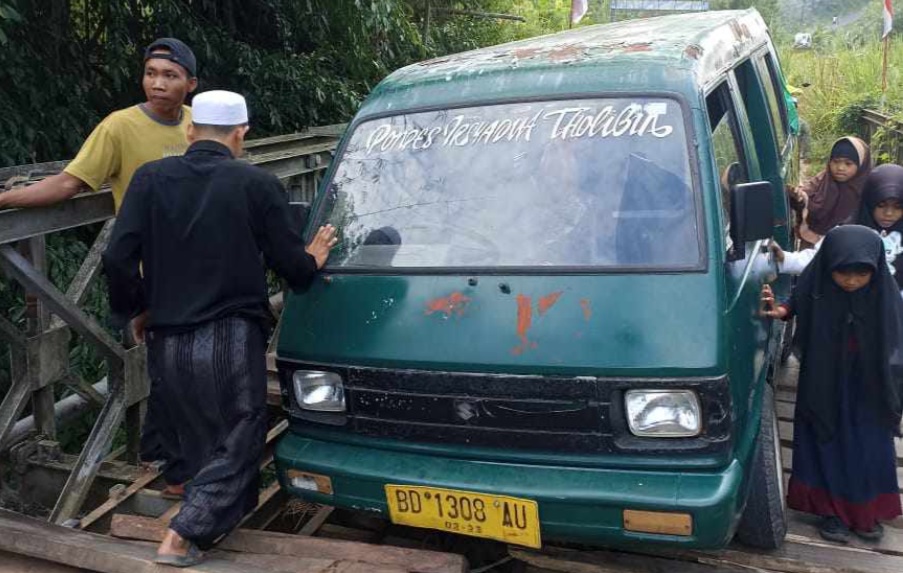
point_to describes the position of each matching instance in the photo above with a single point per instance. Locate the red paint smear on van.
(524, 320)
(548, 301)
(455, 303)
(587, 309)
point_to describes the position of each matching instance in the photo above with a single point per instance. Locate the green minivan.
(542, 321)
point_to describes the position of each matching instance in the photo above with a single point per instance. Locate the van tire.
(764, 521)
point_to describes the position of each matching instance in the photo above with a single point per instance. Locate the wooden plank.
(793, 557)
(16, 397)
(78, 288)
(316, 520)
(84, 209)
(785, 396)
(785, 411)
(111, 504)
(269, 506)
(35, 538)
(21, 270)
(578, 561)
(12, 563)
(11, 333)
(333, 531)
(96, 447)
(803, 528)
(286, 545)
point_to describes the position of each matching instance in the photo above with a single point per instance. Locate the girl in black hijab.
(849, 339)
(882, 209)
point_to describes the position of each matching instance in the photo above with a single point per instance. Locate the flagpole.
(884, 70)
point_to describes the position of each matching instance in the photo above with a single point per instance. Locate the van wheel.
(764, 522)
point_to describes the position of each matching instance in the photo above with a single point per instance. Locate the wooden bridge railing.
(39, 355)
(884, 134)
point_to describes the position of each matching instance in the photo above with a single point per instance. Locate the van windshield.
(577, 183)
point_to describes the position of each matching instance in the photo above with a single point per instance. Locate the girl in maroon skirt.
(849, 339)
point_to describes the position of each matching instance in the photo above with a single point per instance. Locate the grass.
(844, 70)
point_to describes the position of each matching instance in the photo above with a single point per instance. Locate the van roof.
(700, 45)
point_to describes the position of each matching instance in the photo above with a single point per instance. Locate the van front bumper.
(575, 504)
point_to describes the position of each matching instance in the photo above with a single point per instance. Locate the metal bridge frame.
(39, 357)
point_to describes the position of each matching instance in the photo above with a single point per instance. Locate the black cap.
(178, 53)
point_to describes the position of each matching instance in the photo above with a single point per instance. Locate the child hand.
(769, 310)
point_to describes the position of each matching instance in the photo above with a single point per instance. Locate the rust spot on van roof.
(693, 52)
(524, 53)
(640, 47)
(564, 53)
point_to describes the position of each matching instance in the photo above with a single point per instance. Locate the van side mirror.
(752, 214)
(300, 212)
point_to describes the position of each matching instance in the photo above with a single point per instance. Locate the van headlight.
(663, 413)
(319, 391)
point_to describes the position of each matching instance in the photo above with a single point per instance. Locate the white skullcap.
(219, 107)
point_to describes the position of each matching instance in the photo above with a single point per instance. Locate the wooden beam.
(91, 552)
(111, 504)
(19, 269)
(316, 520)
(10, 333)
(296, 546)
(803, 528)
(269, 505)
(84, 209)
(576, 561)
(95, 449)
(78, 288)
(17, 396)
(795, 556)
(486, 15)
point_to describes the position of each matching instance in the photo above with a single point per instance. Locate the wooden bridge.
(98, 511)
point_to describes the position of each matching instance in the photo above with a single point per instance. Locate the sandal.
(193, 557)
(833, 529)
(874, 534)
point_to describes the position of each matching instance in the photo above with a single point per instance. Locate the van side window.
(774, 93)
(727, 149)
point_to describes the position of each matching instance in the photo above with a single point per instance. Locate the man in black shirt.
(184, 264)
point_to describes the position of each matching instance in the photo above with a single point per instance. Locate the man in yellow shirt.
(128, 138)
(120, 144)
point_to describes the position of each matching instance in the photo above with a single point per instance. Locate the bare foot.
(173, 490)
(173, 544)
(177, 551)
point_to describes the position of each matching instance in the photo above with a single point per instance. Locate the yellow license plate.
(508, 519)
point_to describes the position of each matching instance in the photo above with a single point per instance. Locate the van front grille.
(540, 413)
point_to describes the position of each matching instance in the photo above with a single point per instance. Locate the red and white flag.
(579, 8)
(888, 18)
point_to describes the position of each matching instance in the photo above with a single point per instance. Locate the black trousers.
(210, 383)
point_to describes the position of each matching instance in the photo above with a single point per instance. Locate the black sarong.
(212, 387)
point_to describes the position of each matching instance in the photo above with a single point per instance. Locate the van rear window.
(602, 183)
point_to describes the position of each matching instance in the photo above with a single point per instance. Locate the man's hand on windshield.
(321, 244)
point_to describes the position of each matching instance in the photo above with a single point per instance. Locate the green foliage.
(844, 70)
(69, 63)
